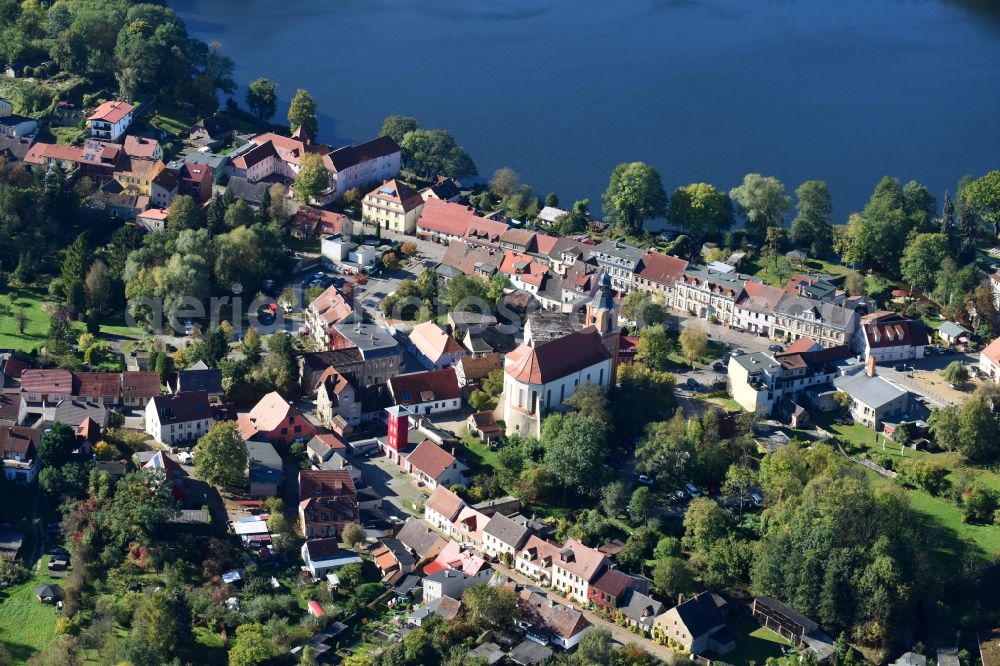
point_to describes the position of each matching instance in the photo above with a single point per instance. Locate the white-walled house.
(890, 337)
(541, 378)
(110, 120)
(178, 418)
(989, 361)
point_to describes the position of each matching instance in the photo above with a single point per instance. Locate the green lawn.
(67, 136)
(857, 439)
(755, 644)
(477, 455)
(29, 301)
(172, 121)
(777, 272)
(26, 625)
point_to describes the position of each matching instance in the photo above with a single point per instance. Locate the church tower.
(601, 315)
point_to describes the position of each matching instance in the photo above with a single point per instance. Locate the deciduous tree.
(302, 113)
(702, 211)
(635, 195)
(813, 223)
(762, 202)
(221, 457)
(262, 98)
(398, 127)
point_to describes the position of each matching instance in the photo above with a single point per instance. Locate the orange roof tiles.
(430, 459)
(557, 358)
(450, 219)
(445, 502)
(111, 111)
(431, 341)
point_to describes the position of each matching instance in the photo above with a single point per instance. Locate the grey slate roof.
(641, 608)
(265, 463)
(507, 531)
(455, 583)
(419, 538)
(700, 614)
(872, 391)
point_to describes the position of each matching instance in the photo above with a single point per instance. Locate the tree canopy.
(635, 195)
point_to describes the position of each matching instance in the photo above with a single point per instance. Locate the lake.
(705, 90)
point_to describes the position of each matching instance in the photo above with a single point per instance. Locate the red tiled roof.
(396, 191)
(418, 387)
(892, 330)
(46, 381)
(267, 415)
(143, 384)
(430, 459)
(992, 351)
(89, 430)
(111, 111)
(15, 439)
(320, 222)
(444, 502)
(10, 405)
(326, 483)
(432, 341)
(13, 367)
(580, 560)
(40, 152)
(524, 267)
(97, 384)
(332, 306)
(545, 243)
(557, 358)
(140, 147)
(446, 218)
(538, 549)
(661, 268)
(485, 230)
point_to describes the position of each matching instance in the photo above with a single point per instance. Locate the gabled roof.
(10, 406)
(89, 430)
(992, 351)
(431, 341)
(101, 384)
(182, 407)
(471, 522)
(758, 297)
(467, 259)
(348, 156)
(641, 608)
(560, 620)
(396, 191)
(891, 330)
(661, 268)
(322, 549)
(557, 358)
(430, 459)
(700, 614)
(332, 306)
(444, 502)
(486, 231)
(537, 550)
(207, 379)
(447, 218)
(421, 539)
(419, 387)
(46, 381)
(268, 414)
(22, 441)
(326, 483)
(581, 560)
(325, 444)
(506, 531)
(111, 111)
(140, 147)
(140, 384)
(615, 583)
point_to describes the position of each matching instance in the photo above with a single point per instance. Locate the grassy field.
(941, 511)
(172, 121)
(36, 329)
(776, 273)
(477, 455)
(67, 136)
(26, 625)
(755, 644)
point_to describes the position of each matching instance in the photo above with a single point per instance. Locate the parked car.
(775, 348)
(692, 490)
(185, 457)
(692, 383)
(719, 366)
(737, 352)
(645, 480)
(899, 367)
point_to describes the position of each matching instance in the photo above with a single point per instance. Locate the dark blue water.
(705, 90)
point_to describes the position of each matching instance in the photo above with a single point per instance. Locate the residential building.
(139, 387)
(199, 377)
(74, 410)
(336, 396)
(459, 557)
(171, 471)
(276, 421)
(329, 308)
(429, 392)
(657, 274)
(550, 214)
(382, 355)
(363, 165)
(755, 306)
(473, 369)
(443, 222)
(18, 126)
(989, 360)
(432, 466)
(309, 222)
(620, 261)
(468, 527)
(485, 233)
(349, 256)
(110, 120)
(215, 163)
(315, 366)
(422, 541)
(271, 154)
(328, 501)
(19, 448)
(323, 556)
(142, 148)
(697, 625)
(152, 219)
(452, 583)
(575, 567)
(706, 294)
(502, 537)
(441, 508)
(178, 418)
(613, 586)
(640, 611)
(165, 187)
(323, 447)
(541, 378)
(873, 398)
(136, 176)
(393, 206)
(797, 317)
(14, 148)
(251, 192)
(393, 559)
(444, 188)
(434, 348)
(484, 426)
(211, 132)
(759, 381)
(47, 386)
(890, 337)
(535, 559)
(103, 388)
(549, 622)
(265, 471)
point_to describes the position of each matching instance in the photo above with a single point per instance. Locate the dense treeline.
(122, 46)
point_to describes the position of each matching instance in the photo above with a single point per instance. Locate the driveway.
(391, 483)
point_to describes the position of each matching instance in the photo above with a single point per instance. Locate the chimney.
(870, 366)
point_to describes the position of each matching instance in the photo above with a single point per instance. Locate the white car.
(186, 457)
(645, 480)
